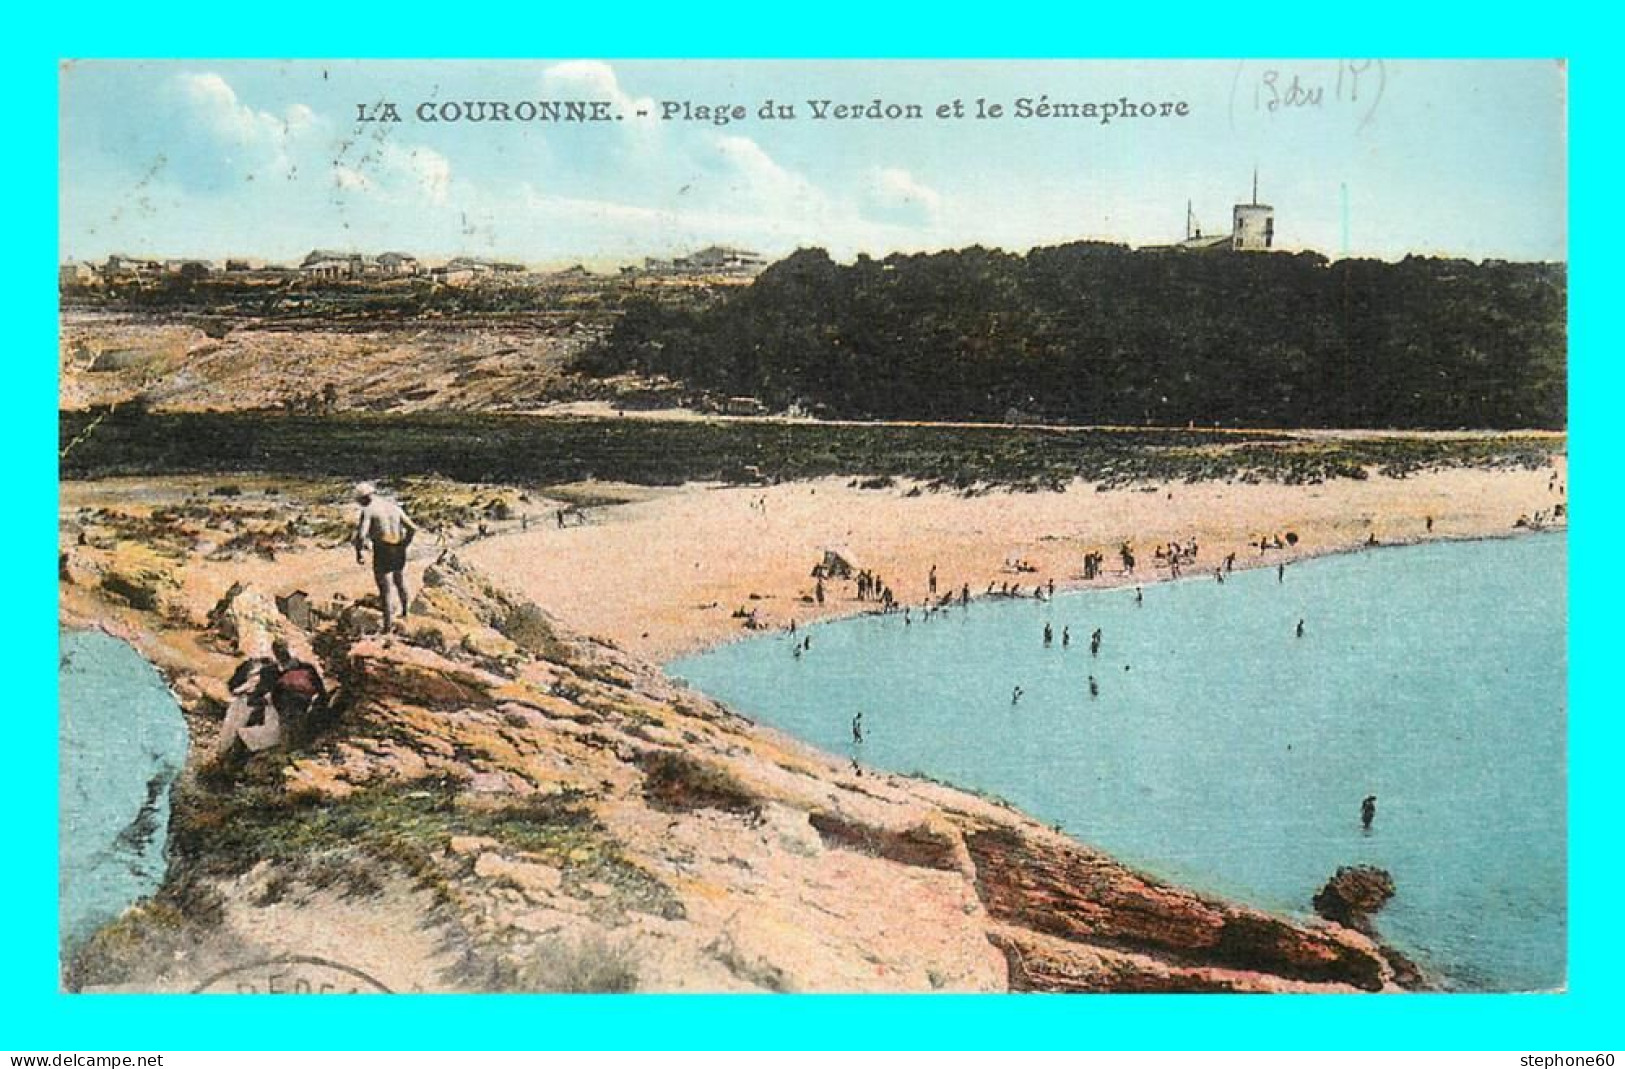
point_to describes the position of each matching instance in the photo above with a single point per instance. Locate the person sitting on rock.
(298, 688)
(270, 696)
(250, 719)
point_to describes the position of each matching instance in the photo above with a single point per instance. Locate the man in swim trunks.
(390, 531)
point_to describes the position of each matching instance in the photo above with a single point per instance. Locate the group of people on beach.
(872, 588)
(1542, 517)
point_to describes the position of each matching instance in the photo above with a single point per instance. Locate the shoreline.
(668, 572)
(664, 576)
(788, 712)
(1112, 585)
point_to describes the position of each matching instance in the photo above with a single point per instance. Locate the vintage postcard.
(628, 526)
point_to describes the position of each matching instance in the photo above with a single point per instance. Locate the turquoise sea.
(122, 743)
(1224, 751)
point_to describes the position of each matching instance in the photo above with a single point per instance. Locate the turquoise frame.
(40, 1018)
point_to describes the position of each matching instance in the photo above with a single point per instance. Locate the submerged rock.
(1353, 894)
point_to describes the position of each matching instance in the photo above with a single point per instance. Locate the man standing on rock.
(390, 531)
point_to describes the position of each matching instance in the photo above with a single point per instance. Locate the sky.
(270, 159)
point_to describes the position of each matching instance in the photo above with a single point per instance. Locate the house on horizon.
(77, 273)
(327, 264)
(398, 264)
(121, 265)
(720, 258)
(711, 260)
(460, 270)
(332, 264)
(189, 268)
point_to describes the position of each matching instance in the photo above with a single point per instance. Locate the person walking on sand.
(386, 526)
(1368, 811)
(932, 579)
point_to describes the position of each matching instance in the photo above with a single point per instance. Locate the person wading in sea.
(387, 527)
(1368, 811)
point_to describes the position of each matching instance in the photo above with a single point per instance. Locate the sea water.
(122, 743)
(1224, 751)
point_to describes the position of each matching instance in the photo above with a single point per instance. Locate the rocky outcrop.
(1084, 898)
(1353, 894)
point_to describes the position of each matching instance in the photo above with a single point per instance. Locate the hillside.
(1101, 334)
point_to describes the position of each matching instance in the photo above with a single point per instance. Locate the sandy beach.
(673, 570)
(665, 575)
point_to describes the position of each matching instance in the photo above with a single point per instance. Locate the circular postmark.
(293, 974)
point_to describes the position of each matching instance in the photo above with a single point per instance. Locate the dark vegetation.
(495, 448)
(1098, 334)
(289, 302)
(676, 782)
(226, 832)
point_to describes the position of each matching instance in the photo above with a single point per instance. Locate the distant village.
(1252, 230)
(328, 265)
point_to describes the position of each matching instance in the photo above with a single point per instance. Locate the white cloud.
(425, 169)
(593, 80)
(895, 195)
(754, 177)
(229, 134)
(349, 178)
